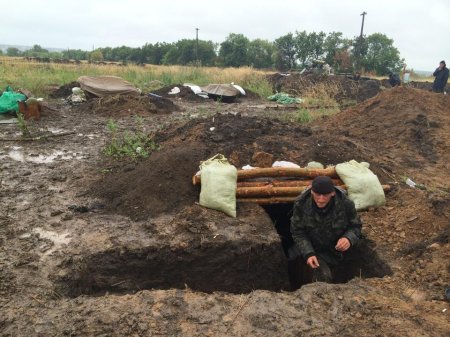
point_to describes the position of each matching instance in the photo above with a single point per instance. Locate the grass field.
(38, 77)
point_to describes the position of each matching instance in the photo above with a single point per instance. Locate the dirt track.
(94, 247)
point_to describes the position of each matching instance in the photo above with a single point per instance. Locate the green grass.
(41, 78)
(131, 144)
(303, 116)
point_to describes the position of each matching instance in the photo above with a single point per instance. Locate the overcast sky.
(420, 28)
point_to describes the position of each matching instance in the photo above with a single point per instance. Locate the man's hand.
(312, 262)
(343, 244)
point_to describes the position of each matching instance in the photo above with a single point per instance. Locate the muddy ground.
(92, 246)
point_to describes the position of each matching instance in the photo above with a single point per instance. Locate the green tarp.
(283, 98)
(8, 100)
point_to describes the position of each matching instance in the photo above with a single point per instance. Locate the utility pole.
(363, 14)
(360, 44)
(196, 46)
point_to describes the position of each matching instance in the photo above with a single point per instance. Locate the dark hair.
(443, 62)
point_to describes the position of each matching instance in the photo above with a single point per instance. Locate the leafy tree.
(75, 54)
(185, 52)
(335, 48)
(182, 52)
(309, 46)
(207, 52)
(381, 54)
(122, 53)
(38, 49)
(107, 53)
(316, 44)
(234, 51)
(286, 52)
(154, 54)
(96, 56)
(342, 61)
(260, 53)
(1, 52)
(136, 55)
(13, 51)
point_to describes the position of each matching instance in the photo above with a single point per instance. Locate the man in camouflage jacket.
(324, 226)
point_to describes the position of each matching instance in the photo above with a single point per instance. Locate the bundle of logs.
(276, 185)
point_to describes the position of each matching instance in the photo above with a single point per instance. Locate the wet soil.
(339, 87)
(91, 246)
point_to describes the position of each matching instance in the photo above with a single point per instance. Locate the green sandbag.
(219, 183)
(8, 100)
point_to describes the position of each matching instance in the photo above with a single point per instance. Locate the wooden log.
(273, 172)
(271, 191)
(286, 172)
(282, 183)
(196, 180)
(268, 201)
(261, 200)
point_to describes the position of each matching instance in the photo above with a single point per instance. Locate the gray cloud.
(419, 28)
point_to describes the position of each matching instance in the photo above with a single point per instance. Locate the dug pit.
(199, 249)
(202, 250)
(363, 260)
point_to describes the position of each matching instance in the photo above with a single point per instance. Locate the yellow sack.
(219, 182)
(363, 185)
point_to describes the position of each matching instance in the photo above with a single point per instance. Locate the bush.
(128, 143)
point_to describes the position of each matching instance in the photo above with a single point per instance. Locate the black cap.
(322, 185)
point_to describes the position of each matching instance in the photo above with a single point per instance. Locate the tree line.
(374, 53)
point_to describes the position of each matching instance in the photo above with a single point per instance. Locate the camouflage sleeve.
(299, 234)
(353, 232)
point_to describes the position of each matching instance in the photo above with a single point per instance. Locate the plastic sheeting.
(8, 100)
(102, 86)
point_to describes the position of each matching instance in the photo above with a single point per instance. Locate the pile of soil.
(64, 90)
(338, 87)
(401, 130)
(126, 105)
(185, 94)
(163, 182)
(398, 131)
(118, 105)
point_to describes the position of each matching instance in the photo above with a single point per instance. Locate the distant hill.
(4, 47)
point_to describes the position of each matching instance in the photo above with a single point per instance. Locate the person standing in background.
(440, 77)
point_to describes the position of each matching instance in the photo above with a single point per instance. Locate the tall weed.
(40, 78)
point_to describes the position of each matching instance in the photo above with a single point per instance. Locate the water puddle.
(58, 239)
(16, 153)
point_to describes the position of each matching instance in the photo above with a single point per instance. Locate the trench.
(232, 266)
(363, 260)
(236, 267)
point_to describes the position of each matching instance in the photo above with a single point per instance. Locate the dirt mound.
(162, 183)
(126, 105)
(237, 137)
(64, 90)
(400, 129)
(185, 93)
(338, 87)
